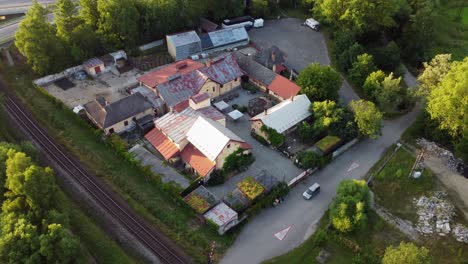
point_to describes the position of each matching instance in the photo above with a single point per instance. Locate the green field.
(451, 30)
(162, 207)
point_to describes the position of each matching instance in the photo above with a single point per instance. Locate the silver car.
(311, 191)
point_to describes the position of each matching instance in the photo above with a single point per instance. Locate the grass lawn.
(452, 33)
(395, 191)
(163, 208)
(393, 181)
(328, 142)
(371, 241)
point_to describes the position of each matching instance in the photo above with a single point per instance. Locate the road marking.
(353, 166)
(282, 234)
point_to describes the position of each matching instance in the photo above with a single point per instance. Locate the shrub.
(237, 161)
(251, 188)
(279, 191)
(259, 138)
(387, 58)
(276, 139)
(217, 177)
(310, 159)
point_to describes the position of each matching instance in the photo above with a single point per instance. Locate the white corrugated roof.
(286, 114)
(176, 125)
(184, 38)
(221, 214)
(210, 137)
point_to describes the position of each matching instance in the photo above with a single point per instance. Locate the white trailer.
(313, 24)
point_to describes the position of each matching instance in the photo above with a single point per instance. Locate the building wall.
(211, 88)
(202, 104)
(230, 86)
(233, 146)
(258, 84)
(120, 127)
(276, 96)
(257, 128)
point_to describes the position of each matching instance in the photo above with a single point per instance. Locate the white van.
(313, 24)
(311, 191)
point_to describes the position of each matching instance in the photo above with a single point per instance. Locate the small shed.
(94, 66)
(235, 115)
(183, 45)
(266, 180)
(237, 200)
(221, 105)
(223, 217)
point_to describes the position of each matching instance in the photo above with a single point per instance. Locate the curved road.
(257, 242)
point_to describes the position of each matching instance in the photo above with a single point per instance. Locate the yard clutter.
(452, 162)
(436, 215)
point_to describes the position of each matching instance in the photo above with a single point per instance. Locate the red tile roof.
(199, 162)
(160, 75)
(245, 145)
(166, 147)
(283, 87)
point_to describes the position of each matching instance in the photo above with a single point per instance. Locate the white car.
(311, 191)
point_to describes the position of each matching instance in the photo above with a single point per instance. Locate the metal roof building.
(183, 45)
(223, 39)
(286, 114)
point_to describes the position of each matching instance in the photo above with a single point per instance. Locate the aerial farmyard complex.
(233, 131)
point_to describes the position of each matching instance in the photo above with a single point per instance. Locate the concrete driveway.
(257, 242)
(302, 46)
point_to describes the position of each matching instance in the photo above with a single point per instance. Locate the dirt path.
(455, 182)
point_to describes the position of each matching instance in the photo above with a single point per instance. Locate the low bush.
(240, 108)
(217, 177)
(276, 139)
(237, 161)
(251, 188)
(267, 201)
(259, 138)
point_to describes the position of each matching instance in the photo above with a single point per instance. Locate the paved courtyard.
(265, 158)
(302, 46)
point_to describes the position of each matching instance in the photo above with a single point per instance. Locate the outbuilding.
(94, 66)
(183, 45)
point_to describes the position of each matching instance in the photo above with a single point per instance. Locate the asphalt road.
(9, 31)
(257, 242)
(9, 3)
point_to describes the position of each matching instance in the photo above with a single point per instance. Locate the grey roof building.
(106, 115)
(254, 69)
(270, 57)
(183, 45)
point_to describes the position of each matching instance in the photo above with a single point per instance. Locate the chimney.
(266, 111)
(208, 63)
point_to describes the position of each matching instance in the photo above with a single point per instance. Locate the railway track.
(148, 236)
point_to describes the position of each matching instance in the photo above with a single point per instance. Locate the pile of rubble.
(435, 215)
(461, 233)
(452, 162)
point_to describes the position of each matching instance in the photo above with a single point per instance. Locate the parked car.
(311, 191)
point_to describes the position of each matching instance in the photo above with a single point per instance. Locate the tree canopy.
(36, 40)
(348, 210)
(362, 67)
(360, 16)
(319, 82)
(433, 73)
(407, 253)
(448, 101)
(368, 118)
(32, 229)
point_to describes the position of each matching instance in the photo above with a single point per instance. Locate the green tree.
(36, 40)
(66, 18)
(260, 8)
(417, 38)
(346, 59)
(58, 246)
(19, 240)
(89, 12)
(433, 73)
(118, 23)
(362, 67)
(387, 58)
(368, 118)
(319, 82)
(326, 113)
(390, 96)
(359, 16)
(373, 83)
(348, 210)
(407, 253)
(448, 101)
